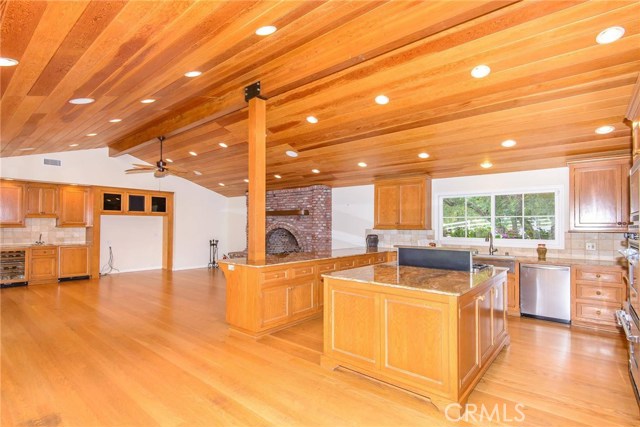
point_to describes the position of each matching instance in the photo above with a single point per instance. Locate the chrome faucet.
(489, 239)
(40, 241)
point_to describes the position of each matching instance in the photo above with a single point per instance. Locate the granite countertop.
(305, 256)
(447, 282)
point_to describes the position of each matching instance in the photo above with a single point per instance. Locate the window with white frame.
(517, 217)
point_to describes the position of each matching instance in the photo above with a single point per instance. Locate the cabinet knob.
(598, 312)
(597, 276)
(598, 293)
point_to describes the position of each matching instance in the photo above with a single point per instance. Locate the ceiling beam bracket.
(252, 91)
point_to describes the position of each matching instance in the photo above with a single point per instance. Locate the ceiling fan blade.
(138, 170)
(138, 165)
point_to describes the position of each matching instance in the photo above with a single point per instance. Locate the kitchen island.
(434, 332)
(282, 290)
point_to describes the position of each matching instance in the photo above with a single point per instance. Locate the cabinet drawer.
(599, 293)
(380, 257)
(302, 271)
(326, 267)
(346, 263)
(599, 276)
(364, 260)
(596, 312)
(36, 252)
(274, 275)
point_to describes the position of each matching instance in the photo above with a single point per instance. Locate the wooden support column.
(257, 177)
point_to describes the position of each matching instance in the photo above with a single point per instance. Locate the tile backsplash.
(50, 233)
(606, 244)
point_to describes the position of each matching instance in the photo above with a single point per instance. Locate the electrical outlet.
(590, 246)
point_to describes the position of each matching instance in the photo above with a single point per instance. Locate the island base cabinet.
(435, 345)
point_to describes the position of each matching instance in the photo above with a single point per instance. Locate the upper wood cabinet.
(41, 201)
(75, 206)
(403, 203)
(11, 204)
(599, 195)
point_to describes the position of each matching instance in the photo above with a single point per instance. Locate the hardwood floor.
(152, 348)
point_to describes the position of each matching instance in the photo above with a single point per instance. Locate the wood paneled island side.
(265, 296)
(434, 332)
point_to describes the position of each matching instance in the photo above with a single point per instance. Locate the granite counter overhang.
(295, 257)
(431, 280)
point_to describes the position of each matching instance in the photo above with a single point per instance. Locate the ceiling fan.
(160, 170)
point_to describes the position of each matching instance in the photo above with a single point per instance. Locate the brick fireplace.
(298, 233)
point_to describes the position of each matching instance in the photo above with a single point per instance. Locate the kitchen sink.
(497, 261)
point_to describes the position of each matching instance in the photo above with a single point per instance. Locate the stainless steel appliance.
(545, 292)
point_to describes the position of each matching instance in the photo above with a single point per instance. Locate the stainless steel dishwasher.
(545, 292)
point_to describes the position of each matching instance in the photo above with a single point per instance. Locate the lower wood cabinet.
(74, 261)
(43, 265)
(513, 292)
(596, 293)
(433, 344)
(262, 299)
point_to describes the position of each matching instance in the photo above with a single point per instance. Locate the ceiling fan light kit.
(160, 170)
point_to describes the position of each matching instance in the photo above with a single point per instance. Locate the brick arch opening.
(283, 238)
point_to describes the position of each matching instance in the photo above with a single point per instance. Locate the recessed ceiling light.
(73, 145)
(486, 164)
(193, 153)
(223, 145)
(362, 164)
(266, 30)
(480, 71)
(27, 149)
(168, 160)
(610, 35)
(8, 62)
(508, 143)
(193, 73)
(81, 101)
(423, 155)
(221, 184)
(312, 119)
(91, 134)
(277, 176)
(382, 99)
(197, 173)
(315, 171)
(115, 120)
(291, 153)
(246, 180)
(148, 101)
(603, 130)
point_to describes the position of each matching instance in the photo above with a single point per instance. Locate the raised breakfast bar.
(434, 332)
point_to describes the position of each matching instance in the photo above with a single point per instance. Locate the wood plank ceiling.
(551, 85)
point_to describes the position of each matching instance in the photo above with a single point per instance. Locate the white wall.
(353, 206)
(237, 217)
(200, 214)
(136, 242)
(352, 211)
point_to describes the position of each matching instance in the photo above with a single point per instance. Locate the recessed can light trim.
(312, 119)
(81, 101)
(266, 30)
(423, 155)
(603, 130)
(291, 153)
(92, 134)
(382, 99)
(8, 62)
(193, 153)
(221, 184)
(480, 71)
(315, 171)
(223, 145)
(148, 101)
(115, 120)
(277, 176)
(610, 35)
(73, 145)
(362, 164)
(508, 143)
(27, 149)
(246, 180)
(192, 74)
(197, 173)
(486, 164)
(168, 160)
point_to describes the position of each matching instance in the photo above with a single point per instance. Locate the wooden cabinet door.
(74, 206)
(485, 334)
(43, 269)
(353, 310)
(411, 205)
(41, 201)
(74, 261)
(468, 357)
(32, 205)
(302, 298)
(599, 199)
(275, 305)
(11, 204)
(49, 201)
(386, 206)
(419, 353)
(499, 310)
(323, 268)
(513, 294)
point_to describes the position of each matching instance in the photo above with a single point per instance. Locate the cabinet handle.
(598, 293)
(598, 312)
(597, 276)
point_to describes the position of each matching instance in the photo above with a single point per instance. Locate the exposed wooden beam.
(257, 174)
